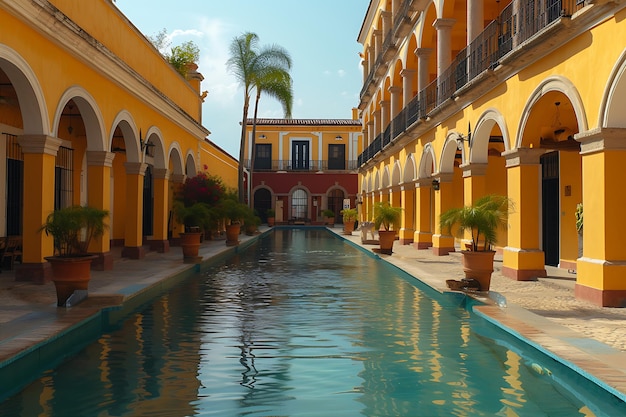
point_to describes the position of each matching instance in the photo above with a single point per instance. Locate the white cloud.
(341, 73)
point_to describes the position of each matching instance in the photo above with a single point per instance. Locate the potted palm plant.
(349, 218)
(73, 229)
(387, 222)
(195, 218)
(234, 212)
(329, 215)
(481, 220)
(271, 216)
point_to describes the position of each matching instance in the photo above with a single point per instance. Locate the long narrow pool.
(303, 324)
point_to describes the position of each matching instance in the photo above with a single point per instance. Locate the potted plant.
(195, 218)
(73, 229)
(271, 216)
(481, 220)
(387, 222)
(349, 218)
(251, 223)
(329, 216)
(235, 213)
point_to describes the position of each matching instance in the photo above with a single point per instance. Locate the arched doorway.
(335, 203)
(299, 205)
(262, 202)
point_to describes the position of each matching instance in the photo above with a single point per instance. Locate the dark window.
(63, 183)
(337, 156)
(148, 203)
(335, 202)
(263, 156)
(300, 155)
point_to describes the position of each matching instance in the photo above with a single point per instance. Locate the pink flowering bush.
(202, 188)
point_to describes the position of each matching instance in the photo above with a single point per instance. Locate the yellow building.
(91, 113)
(522, 98)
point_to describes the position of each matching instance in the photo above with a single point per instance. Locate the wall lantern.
(262, 137)
(436, 184)
(338, 137)
(468, 138)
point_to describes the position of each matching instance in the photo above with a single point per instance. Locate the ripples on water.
(302, 325)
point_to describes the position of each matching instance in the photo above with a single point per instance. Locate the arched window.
(299, 204)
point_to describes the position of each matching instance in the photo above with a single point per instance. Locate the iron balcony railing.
(512, 27)
(302, 165)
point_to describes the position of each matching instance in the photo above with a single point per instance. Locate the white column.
(395, 101)
(384, 115)
(444, 44)
(408, 85)
(423, 73)
(475, 19)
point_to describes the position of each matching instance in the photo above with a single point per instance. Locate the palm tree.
(266, 70)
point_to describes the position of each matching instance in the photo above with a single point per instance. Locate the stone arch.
(559, 84)
(190, 164)
(614, 100)
(155, 137)
(176, 159)
(32, 100)
(480, 138)
(126, 123)
(409, 173)
(448, 153)
(90, 114)
(428, 163)
(386, 178)
(396, 174)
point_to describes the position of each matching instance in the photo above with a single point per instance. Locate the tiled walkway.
(544, 311)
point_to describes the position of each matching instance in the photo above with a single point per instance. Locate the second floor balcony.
(302, 165)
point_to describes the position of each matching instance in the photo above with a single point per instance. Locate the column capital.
(601, 139)
(100, 158)
(135, 168)
(394, 89)
(161, 173)
(443, 176)
(423, 182)
(178, 178)
(384, 103)
(443, 23)
(407, 72)
(41, 144)
(474, 169)
(423, 52)
(523, 156)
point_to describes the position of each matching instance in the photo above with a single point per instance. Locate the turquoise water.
(303, 324)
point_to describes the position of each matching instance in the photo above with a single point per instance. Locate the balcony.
(264, 165)
(512, 34)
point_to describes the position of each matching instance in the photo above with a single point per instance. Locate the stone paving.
(542, 308)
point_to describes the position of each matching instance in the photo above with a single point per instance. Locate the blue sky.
(320, 35)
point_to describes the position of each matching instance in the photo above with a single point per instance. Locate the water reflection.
(315, 325)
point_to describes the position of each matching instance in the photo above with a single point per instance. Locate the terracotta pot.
(271, 221)
(190, 242)
(232, 234)
(70, 274)
(348, 227)
(478, 266)
(385, 240)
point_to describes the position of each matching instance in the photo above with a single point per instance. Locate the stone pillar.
(475, 19)
(387, 25)
(384, 115)
(133, 235)
(423, 73)
(442, 242)
(371, 132)
(444, 44)
(423, 237)
(39, 164)
(378, 44)
(601, 272)
(99, 165)
(407, 227)
(522, 258)
(396, 105)
(408, 85)
(160, 239)
(474, 187)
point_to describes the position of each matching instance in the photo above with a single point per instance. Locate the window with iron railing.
(63, 184)
(337, 156)
(15, 185)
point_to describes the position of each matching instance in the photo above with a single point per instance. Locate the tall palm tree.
(264, 69)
